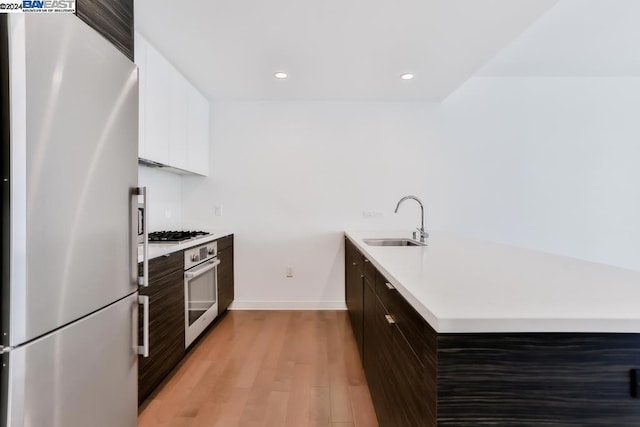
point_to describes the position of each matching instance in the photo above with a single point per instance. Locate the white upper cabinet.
(178, 109)
(198, 132)
(174, 115)
(156, 107)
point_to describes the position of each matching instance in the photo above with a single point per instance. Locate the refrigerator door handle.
(143, 350)
(143, 233)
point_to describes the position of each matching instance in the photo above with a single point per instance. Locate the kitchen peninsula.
(468, 332)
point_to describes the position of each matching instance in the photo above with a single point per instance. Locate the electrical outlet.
(217, 210)
(372, 214)
(289, 271)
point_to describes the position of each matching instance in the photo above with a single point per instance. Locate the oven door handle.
(210, 265)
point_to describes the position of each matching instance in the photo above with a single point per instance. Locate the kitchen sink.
(393, 242)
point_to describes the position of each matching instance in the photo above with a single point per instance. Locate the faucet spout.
(423, 234)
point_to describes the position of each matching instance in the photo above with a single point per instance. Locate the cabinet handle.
(389, 286)
(354, 263)
(143, 350)
(390, 319)
(366, 260)
(362, 276)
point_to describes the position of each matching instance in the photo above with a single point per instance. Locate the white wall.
(291, 176)
(165, 198)
(549, 164)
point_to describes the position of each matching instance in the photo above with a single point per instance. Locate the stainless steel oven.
(200, 289)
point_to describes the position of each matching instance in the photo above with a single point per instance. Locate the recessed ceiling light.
(281, 75)
(406, 76)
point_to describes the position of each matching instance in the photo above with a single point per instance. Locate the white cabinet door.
(178, 99)
(156, 106)
(198, 133)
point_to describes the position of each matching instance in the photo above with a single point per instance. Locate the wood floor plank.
(231, 411)
(267, 368)
(298, 408)
(276, 415)
(320, 407)
(363, 413)
(340, 404)
(254, 411)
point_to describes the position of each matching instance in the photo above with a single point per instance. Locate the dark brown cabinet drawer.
(165, 264)
(225, 242)
(407, 319)
(369, 270)
(353, 257)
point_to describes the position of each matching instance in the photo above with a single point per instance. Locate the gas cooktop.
(175, 236)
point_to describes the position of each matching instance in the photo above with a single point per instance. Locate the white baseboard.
(288, 305)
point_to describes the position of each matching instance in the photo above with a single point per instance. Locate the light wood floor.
(267, 368)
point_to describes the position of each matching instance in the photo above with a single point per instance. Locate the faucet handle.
(422, 233)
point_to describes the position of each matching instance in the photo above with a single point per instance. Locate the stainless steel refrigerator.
(69, 270)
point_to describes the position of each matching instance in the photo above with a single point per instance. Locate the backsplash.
(165, 196)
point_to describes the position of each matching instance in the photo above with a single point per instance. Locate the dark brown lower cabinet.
(418, 377)
(225, 273)
(166, 322)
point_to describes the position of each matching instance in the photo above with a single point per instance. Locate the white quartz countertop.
(159, 249)
(464, 285)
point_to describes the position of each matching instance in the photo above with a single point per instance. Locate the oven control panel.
(200, 254)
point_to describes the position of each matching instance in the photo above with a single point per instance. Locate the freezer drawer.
(82, 375)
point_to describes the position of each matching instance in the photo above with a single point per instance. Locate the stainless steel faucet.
(423, 234)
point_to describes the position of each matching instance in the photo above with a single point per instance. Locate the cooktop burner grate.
(175, 236)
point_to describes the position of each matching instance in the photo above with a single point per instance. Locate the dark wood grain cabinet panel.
(166, 322)
(111, 18)
(225, 274)
(354, 291)
(537, 379)
(371, 341)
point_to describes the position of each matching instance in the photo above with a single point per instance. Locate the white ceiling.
(332, 49)
(576, 38)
